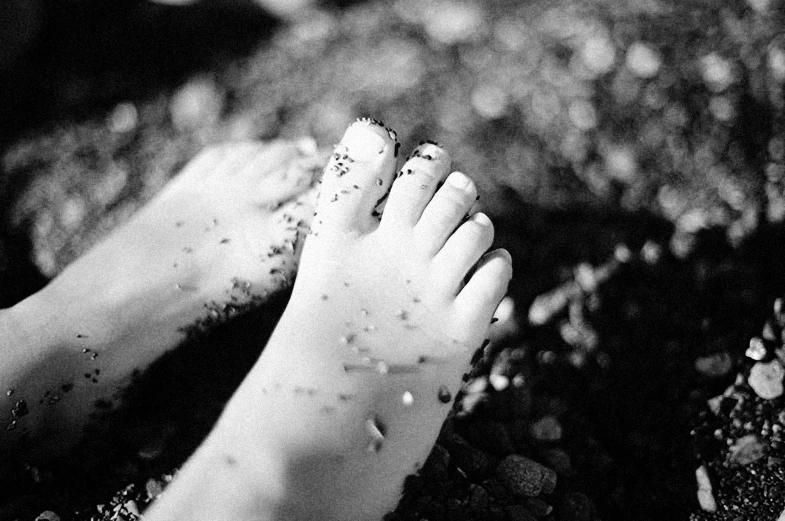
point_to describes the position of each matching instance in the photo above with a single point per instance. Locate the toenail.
(428, 151)
(363, 143)
(481, 219)
(459, 181)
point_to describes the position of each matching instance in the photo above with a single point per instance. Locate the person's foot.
(350, 393)
(221, 236)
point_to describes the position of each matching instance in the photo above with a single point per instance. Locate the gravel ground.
(632, 155)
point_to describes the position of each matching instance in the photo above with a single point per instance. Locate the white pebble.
(651, 252)
(776, 60)
(598, 55)
(582, 114)
(717, 72)
(123, 118)
(407, 398)
(705, 497)
(477, 385)
(197, 104)
(757, 349)
(489, 101)
(642, 60)
(746, 450)
(131, 508)
(766, 379)
(499, 381)
(451, 22)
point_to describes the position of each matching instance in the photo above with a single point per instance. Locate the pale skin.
(351, 390)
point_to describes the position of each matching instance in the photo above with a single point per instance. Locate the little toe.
(444, 213)
(479, 298)
(415, 185)
(462, 251)
(358, 174)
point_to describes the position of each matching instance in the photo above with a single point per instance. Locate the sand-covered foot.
(221, 236)
(349, 395)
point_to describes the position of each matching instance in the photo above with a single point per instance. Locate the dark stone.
(435, 467)
(476, 464)
(525, 477)
(490, 436)
(538, 507)
(478, 498)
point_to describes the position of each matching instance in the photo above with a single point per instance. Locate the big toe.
(357, 176)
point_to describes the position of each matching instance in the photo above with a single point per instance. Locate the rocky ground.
(632, 154)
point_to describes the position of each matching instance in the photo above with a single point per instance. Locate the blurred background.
(632, 153)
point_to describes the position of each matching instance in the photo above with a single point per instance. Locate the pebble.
(538, 507)
(435, 467)
(746, 449)
(154, 488)
(471, 460)
(497, 491)
(705, 496)
(47, 515)
(715, 364)
(756, 350)
(546, 428)
(478, 498)
(715, 403)
(499, 382)
(559, 460)
(766, 379)
(525, 477)
(131, 508)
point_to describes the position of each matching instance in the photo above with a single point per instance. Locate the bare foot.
(220, 236)
(349, 395)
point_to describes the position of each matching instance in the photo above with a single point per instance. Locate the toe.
(444, 213)
(264, 172)
(461, 252)
(415, 185)
(358, 174)
(478, 300)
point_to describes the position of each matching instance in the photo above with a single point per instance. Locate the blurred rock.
(478, 498)
(559, 460)
(715, 364)
(197, 104)
(525, 477)
(546, 428)
(643, 60)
